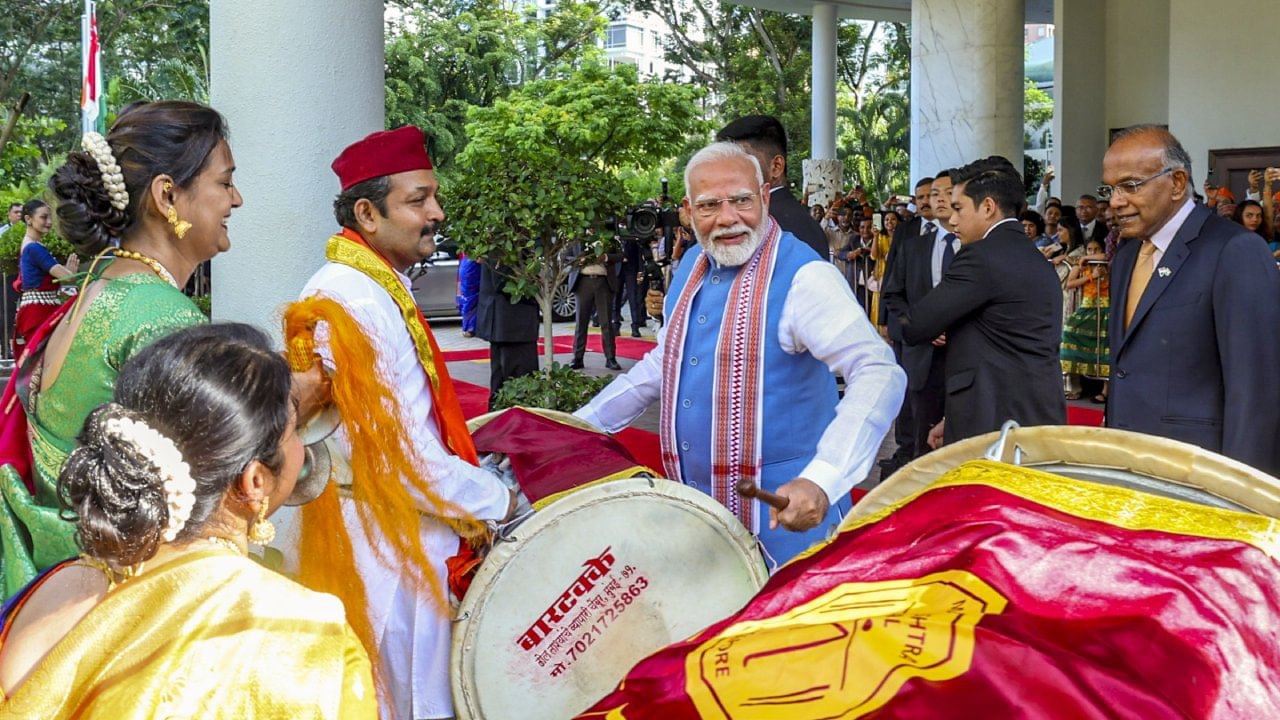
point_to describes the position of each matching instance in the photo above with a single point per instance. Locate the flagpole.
(93, 114)
(86, 124)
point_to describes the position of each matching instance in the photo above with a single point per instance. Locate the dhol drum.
(571, 596)
(1038, 573)
(1146, 463)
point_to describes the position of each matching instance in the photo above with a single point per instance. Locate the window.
(616, 36)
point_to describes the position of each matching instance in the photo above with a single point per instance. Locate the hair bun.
(86, 217)
(115, 493)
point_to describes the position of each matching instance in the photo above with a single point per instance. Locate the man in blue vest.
(757, 323)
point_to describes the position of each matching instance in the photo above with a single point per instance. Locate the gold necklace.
(150, 262)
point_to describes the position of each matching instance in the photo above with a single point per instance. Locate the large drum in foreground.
(1066, 573)
(579, 592)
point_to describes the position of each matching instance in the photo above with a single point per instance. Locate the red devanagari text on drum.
(596, 569)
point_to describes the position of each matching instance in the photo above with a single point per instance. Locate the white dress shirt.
(820, 317)
(939, 247)
(1164, 236)
(414, 634)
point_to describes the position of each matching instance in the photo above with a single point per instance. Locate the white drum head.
(586, 588)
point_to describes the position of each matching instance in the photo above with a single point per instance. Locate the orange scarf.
(348, 248)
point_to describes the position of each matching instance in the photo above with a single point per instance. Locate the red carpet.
(1081, 415)
(626, 347)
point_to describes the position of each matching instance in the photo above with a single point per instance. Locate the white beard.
(733, 255)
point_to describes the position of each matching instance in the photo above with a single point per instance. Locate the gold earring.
(261, 531)
(180, 227)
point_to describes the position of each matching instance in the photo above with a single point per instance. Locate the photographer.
(1085, 352)
(593, 278)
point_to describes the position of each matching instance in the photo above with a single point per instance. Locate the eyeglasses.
(711, 207)
(1128, 187)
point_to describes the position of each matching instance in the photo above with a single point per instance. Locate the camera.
(650, 217)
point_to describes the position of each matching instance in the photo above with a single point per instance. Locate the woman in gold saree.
(163, 615)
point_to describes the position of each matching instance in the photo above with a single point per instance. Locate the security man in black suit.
(764, 137)
(904, 427)
(1195, 310)
(919, 268)
(511, 329)
(1000, 307)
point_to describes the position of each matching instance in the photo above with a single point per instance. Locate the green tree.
(543, 166)
(1037, 117)
(873, 114)
(444, 59)
(142, 41)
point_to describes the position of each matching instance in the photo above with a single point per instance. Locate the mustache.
(734, 230)
(430, 229)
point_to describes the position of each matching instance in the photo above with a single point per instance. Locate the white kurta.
(413, 634)
(820, 317)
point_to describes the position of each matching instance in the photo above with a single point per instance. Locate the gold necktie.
(1142, 270)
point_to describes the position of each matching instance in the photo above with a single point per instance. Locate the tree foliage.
(543, 165)
(760, 62)
(444, 59)
(147, 45)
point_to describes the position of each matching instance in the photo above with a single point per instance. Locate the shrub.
(559, 388)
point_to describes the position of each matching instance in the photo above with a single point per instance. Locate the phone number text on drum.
(609, 614)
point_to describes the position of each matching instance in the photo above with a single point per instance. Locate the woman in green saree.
(152, 198)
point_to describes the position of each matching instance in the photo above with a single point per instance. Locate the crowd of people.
(143, 450)
(1081, 243)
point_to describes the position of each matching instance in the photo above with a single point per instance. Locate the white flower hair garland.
(179, 486)
(112, 177)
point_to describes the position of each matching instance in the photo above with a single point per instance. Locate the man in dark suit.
(593, 278)
(919, 268)
(909, 231)
(764, 137)
(1195, 308)
(1000, 307)
(510, 328)
(630, 295)
(1093, 227)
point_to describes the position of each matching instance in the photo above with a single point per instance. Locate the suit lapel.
(1166, 270)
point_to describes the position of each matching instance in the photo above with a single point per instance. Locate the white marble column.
(966, 82)
(822, 172)
(298, 80)
(1080, 100)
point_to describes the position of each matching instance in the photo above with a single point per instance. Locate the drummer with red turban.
(743, 370)
(389, 215)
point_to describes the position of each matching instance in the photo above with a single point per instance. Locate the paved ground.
(449, 335)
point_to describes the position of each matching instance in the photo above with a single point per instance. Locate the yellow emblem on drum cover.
(844, 654)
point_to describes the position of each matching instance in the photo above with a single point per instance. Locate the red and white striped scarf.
(737, 415)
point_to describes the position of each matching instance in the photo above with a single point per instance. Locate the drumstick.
(748, 489)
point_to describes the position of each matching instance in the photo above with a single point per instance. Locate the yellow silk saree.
(209, 634)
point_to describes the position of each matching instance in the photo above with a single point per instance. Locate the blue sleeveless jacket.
(799, 392)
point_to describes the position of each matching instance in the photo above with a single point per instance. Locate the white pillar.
(1080, 100)
(297, 80)
(822, 172)
(966, 82)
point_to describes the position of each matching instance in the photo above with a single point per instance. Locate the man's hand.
(807, 508)
(940, 341)
(1255, 180)
(936, 434)
(1048, 178)
(312, 391)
